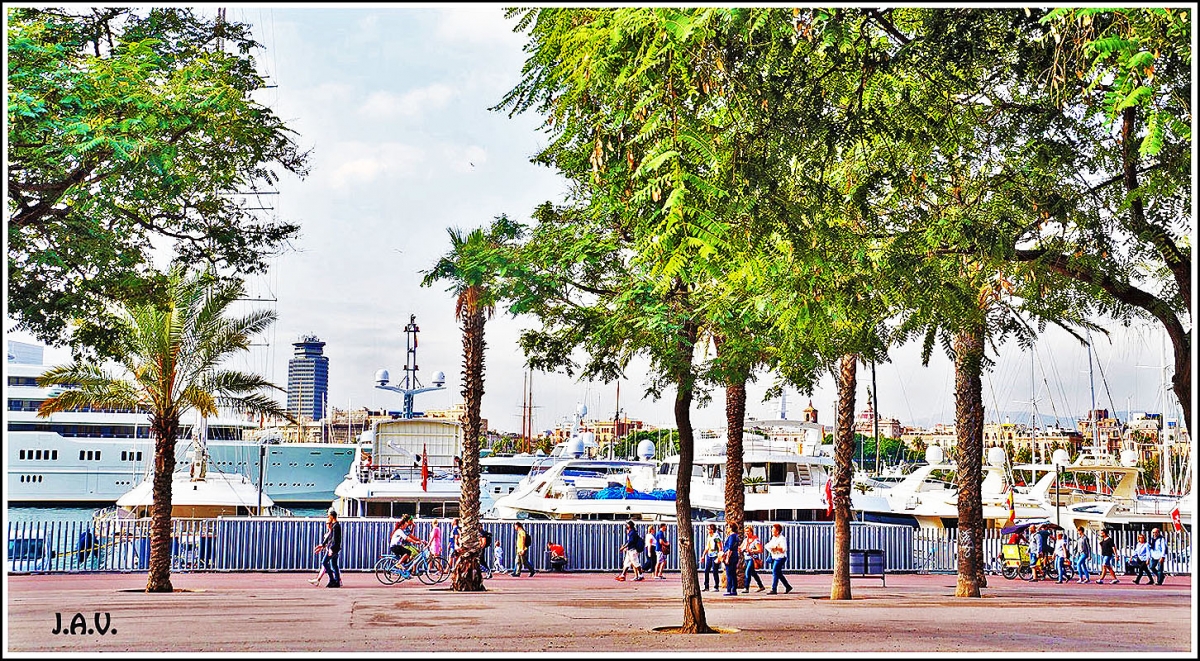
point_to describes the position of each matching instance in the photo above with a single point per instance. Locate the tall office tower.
(308, 379)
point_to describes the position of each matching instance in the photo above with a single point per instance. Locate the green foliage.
(126, 126)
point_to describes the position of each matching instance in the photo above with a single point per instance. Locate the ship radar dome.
(645, 449)
(995, 456)
(934, 455)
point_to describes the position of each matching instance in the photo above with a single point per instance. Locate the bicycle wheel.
(1009, 572)
(422, 570)
(438, 568)
(1025, 572)
(385, 570)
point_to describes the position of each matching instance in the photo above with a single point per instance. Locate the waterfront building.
(308, 379)
(941, 435)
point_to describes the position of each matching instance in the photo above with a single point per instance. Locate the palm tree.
(474, 266)
(172, 351)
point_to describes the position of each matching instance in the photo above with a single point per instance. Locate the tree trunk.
(165, 430)
(843, 474)
(968, 418)
(466, 576)
(693, 606)
(735, 490)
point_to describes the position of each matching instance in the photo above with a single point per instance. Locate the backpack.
(639, 544)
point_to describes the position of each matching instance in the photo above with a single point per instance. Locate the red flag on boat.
(628, 485)
(424, 468)
(1012, 509)
(828, 497)
(1175, 519)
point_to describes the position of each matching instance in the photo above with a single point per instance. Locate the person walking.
(522, 551)
(632, 547)
(777, 547)
(452, 545)
(752, 554)
(650, 551)
(332, 545)
(729, 556)
(321, 573)
(1060, 556)
(663, 545)
(1035, 555)
(1141, 561)
(1083, 553)
(1108, 551)
(435, 538)
(712, 555)
(1158, 555)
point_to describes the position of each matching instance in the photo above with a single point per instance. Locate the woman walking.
(1060, 557)
(752, 551)
(777, 547)
(729, 558)
(1083, 552)
(1141, 560)
(1108, 552)
(712, 555)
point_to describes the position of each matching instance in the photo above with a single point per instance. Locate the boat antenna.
(412, 386)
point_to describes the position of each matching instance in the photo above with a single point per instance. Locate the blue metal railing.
(286, 544)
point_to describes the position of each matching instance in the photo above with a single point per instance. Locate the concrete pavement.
(577, 613)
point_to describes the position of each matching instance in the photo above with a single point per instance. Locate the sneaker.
(1100, 582)
(639, 578)
(1115, 581)
(619, 578)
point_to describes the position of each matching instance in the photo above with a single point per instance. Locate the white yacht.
(1120, 506)
(407, 465)
(593, 490)
(500, 475)
(784, 479)
(928, 496)
(94, 455)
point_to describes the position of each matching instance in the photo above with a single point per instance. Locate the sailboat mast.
(875, 416)
(1092, 387)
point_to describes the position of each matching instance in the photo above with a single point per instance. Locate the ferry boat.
(94, 455)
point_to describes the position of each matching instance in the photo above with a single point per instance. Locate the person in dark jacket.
(332, 545)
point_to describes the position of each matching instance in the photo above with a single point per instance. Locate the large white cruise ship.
(96, 455)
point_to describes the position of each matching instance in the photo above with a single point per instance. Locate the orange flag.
(1012, 509)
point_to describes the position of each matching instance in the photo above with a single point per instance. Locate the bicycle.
(428, 568)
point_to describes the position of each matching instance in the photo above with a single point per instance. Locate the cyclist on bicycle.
(403, 542)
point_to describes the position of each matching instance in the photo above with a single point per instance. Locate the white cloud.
(475, 24)
(357, 163)
(384, 105)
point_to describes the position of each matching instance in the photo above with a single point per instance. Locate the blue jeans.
(1081, 568)
(777, 576)
(331, 567)
(751, 573)
(1060, 566)
(1156, 570)
(731, 576)
(710, 567)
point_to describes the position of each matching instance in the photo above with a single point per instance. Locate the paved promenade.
(590, 613)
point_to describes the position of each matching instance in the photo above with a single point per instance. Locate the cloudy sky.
(394, 103)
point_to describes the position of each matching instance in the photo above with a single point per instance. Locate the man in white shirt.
(1158, 555)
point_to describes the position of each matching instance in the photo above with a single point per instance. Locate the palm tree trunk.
(466, 576)
(968, 418)
(165, 429)
(694, 620)
(843, 473)
(735, 490)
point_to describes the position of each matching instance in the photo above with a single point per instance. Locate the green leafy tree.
(475, 268)
(171, 353)
(127, 126)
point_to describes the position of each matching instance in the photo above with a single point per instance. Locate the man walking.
(1083, 553)
(1108, 552)
(332, 545)
(1158, 555)
(632, 547)
(523, 551)
(729, 556)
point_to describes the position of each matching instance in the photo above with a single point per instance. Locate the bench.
(868, 563)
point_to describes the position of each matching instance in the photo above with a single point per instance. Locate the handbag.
(758, 561)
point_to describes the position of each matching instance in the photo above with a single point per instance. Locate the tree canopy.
(128, 127)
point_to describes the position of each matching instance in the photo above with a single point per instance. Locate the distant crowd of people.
(1050, 551)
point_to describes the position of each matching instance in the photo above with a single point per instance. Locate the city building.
(308, 379)
(1108, 429)
(919, 439)
(864, 424)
